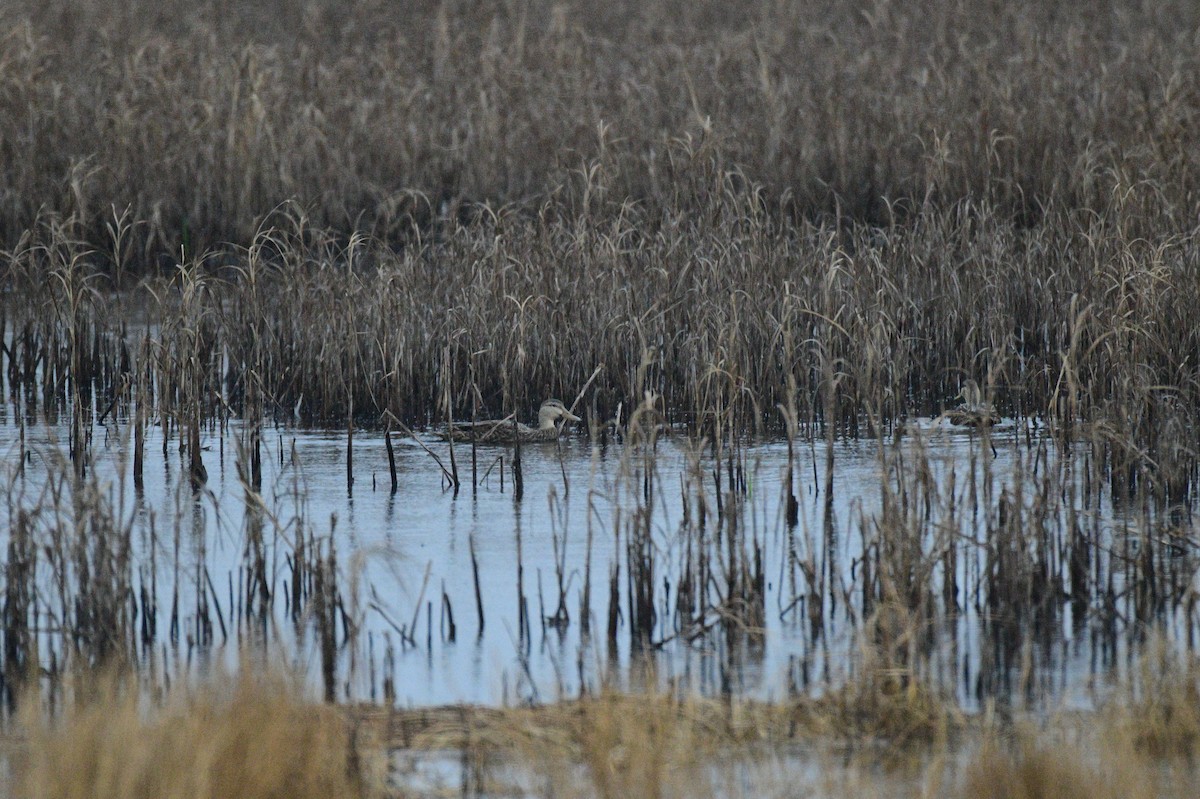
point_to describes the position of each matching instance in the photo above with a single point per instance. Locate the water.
(404, 561)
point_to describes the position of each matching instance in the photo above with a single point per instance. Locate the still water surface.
(408, 555)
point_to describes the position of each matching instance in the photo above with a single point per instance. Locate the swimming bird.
(973, 412)
(506, 431)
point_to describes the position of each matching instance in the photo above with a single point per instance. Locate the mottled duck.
(973, 412)
(506, 431)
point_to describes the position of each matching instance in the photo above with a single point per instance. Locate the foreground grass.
(260, 738)
(254, 740)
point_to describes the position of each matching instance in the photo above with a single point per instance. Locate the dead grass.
(256, 738)
(650, 744)
(1159, 711)
(884, 708)
(1141, 743)
(1040, 769)
(873, 201)
(194, 123)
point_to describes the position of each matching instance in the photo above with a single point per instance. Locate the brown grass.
(1159, 711)
(1039, 769)
(201, 119)
(867, 203)
(256, 738)
(653, 745)
(1141, 743)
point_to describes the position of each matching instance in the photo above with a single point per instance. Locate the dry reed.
(253, 738)
(850, 234)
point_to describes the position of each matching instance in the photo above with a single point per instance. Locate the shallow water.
(399, 554)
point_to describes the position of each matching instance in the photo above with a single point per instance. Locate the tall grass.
(1070, 321)
(846, 209)
(258, 737)
(254, 738)
(196, 120)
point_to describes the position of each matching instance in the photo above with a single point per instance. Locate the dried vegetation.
(811, 219)
(852, 207)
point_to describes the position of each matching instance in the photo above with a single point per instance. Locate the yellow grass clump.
(1035, 769)
(1159, 712)
(257, 739)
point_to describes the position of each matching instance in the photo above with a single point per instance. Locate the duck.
(506, 431)
(973, 412)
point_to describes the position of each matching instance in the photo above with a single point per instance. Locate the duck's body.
(508, 431)
(973, 416)
(973, 412)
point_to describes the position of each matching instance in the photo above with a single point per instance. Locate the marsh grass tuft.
(1041, 769)
(252, 737)
(884, 708)
(1159, 711)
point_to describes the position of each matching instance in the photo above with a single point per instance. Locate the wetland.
(876, 331)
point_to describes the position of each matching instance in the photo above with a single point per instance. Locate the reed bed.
(479, 214)
(193, 121)
(1070, 323)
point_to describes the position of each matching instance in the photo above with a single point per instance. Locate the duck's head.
(551, 411)
(970, 393)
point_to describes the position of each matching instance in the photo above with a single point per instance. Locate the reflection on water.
(1012, 576)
